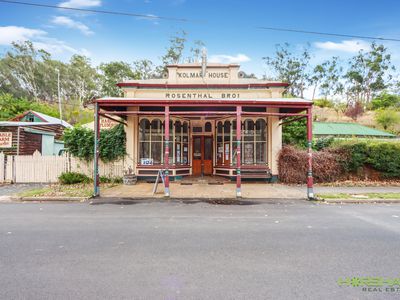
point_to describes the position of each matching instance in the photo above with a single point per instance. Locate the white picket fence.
(46, 169)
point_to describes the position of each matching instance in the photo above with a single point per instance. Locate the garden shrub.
(344, 159)
(295, 133)
(353, 154)
(385, 157)
(323, 103)
(323, 143)
(73, 178)
(80, 143)
(293, 166)
(107, 179)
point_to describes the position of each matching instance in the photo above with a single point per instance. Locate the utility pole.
(58, 91)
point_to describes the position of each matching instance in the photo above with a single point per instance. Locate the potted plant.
(129, 177)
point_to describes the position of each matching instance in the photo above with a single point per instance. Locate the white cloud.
(351, 46)
(228, 59)
(39, 38)
(81, 3)
(69, 23)
(150, 17)
(55, 46)
(10, 34)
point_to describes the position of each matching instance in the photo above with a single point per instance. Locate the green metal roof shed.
(325, 129)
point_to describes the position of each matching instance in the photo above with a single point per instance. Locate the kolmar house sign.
(204, 119)
(197, 75)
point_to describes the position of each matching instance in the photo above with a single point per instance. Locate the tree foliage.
(387, 118)
(386, 100)
(291, 68)
(354, 110)
(368, 74)
(80, 143)
(295, 133)
(113, 73)
(326, 76)
(32, 74)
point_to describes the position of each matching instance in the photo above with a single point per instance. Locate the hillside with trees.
(29, 78)
(363, 89)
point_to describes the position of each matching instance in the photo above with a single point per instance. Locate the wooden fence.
(46, 169)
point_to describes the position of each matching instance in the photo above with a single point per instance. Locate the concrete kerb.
(51, 199)
(216, 201)
(360, 201)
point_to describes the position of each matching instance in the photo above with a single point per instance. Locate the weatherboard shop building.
(219, 123)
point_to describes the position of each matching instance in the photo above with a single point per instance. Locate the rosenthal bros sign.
(201, 95)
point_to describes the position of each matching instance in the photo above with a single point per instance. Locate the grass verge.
(59, 190)
(360, 196)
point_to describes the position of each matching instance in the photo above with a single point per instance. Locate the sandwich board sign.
(160, 174)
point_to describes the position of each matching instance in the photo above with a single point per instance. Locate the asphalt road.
(274, 250)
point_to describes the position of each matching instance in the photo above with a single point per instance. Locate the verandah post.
(310, 190)
(166, 154)
(238, 151)
(96, 177)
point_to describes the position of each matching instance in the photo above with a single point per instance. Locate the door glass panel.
(197, 148)
(207, 148)
(248, 153)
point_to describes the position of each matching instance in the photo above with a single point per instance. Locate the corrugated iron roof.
(51, 119)
(348, 129)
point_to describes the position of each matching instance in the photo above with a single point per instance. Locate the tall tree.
(195, 51)
(144, 68)
(112, 73)
(291, 68)
(23, 65)
(83, 79)
(368, 74)
(175, 50)
(327, 78)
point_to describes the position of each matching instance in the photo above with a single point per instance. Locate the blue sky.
(228, 28)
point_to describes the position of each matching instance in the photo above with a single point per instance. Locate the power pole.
(58, 90)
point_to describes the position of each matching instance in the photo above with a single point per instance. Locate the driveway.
(8, 190)
(170, 250)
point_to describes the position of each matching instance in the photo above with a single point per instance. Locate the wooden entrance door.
(202, 155)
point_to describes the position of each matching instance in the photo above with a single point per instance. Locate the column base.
(310, 193)
(238, 193)
(166, 192)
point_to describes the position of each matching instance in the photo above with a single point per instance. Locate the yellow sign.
(5, 139)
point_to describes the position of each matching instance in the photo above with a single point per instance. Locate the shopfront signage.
(5, 139)
(106, 123)
(198, 75)
(201, 95)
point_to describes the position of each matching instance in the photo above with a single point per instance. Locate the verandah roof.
(264, 101)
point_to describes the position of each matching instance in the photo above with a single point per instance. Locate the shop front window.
(181, 143)
(152, 143)
(253, 142)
